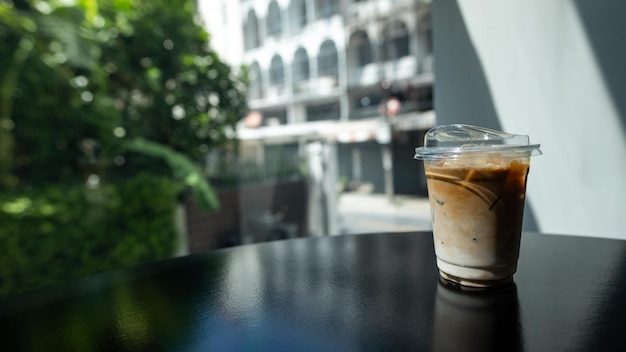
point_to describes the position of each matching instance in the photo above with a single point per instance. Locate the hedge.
(58, 233)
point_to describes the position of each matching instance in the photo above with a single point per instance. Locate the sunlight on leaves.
(91, 9)
(17, 206)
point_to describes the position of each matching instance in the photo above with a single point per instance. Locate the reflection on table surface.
(348, 293)
(481, 320)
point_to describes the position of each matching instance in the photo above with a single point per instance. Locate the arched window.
(326, 8)
(425, 29)
(298, 17)
(251, 31)
(256, 82)
(300, 67)
(396, 41)
(327, 60)
(277, 71)
(274, 26)
(360, 48)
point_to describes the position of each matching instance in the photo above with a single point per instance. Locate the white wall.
(222, 19)
(553, 69)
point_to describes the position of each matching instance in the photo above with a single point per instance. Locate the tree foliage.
(78, 82)
(107, 110)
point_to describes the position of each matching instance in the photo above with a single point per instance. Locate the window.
(327, 8)
(274, 26)
(365, 104)
(333, 70)
(321, 112)
(256, 83)
(298, 17)
(327, 61)
(301, 71)
(277, 72)
(360, 48)
(251, 32)
(425, 29)
(396, 41)
(274, 117)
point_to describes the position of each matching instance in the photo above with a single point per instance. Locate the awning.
(337, 131)
(414, 121)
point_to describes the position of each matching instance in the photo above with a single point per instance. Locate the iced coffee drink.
(476, 182)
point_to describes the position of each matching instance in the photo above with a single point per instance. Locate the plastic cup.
(476, 179)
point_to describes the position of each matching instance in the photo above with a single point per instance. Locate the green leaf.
(183, 168)
(122, 5)
(80, 50)
(90, 7)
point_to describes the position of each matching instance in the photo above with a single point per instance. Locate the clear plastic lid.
(450, 141)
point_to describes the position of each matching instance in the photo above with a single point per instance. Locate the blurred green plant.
(184, 171)
(95, 95)
(78, 82)
(56, 233)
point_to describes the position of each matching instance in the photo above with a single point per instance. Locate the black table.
(343, 293)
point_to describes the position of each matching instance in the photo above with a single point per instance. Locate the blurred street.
(365, 213)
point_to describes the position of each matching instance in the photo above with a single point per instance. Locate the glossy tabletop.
(342, 293)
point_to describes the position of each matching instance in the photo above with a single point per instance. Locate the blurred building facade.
(342, 87)
(355, 74)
